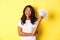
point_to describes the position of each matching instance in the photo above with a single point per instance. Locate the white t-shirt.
(27, 28)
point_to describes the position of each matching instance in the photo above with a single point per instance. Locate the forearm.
(25, 34)
(35, 29)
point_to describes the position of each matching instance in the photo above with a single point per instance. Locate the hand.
(40, 18)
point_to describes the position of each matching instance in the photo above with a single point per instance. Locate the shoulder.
(19, 23)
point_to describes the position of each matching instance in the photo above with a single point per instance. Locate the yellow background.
(11, 11)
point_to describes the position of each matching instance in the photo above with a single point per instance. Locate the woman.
(28, 23)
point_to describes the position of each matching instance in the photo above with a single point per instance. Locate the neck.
(27, 18)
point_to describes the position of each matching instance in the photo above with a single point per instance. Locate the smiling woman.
(27, 25)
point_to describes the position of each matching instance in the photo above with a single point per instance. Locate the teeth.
(42, 13)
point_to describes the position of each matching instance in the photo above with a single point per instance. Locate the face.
(27, 12)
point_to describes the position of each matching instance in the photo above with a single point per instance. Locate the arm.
(23, 33)
(43, 14)
(35, 28)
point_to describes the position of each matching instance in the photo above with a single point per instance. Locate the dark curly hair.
(32, 16)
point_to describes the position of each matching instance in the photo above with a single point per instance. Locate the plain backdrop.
(11, 11)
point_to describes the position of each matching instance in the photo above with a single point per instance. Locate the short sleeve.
(34, 25)
(19, 23)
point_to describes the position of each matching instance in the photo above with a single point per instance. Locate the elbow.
(20, 34)
(33, 34)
